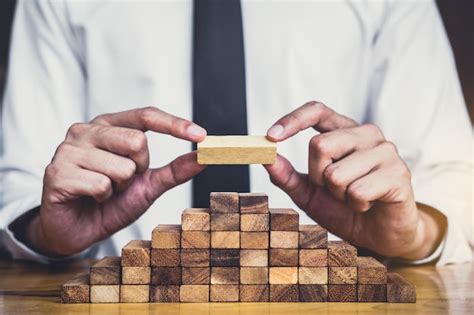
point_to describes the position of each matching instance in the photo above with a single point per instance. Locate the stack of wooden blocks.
(238, 250)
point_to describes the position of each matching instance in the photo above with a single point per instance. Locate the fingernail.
(196, 131)
(276, 131)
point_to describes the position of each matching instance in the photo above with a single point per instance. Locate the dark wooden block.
(254, 257)
(370, 271)
(283, 257)
(284, 220)
(76, 290)
(225, 275)
(165, 257)
(136, 275)
(342, 275)
(341, 254)
(313, 292)
(134, 293)
(195, 257)
(253, 203)
(313, 275)
(224, 293)
(194, 293)
(164, 293)
(342, 293)
(224, 202)
(166, 275)
(372, 293)
(284, 293)
(283, 239)
(255, 222)
(254, 292)
(166, 236)
(105, 293)
(313, 257)
(136, 254)
(225, 257)
(196, 275)
(313, 236)
(195, 239)
(225, 222)
(106, 271)
(225, 239)
(196, 219)
(254, 240)
(254, 275)
(400, 290)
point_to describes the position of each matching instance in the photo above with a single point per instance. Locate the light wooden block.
(313, 275)
(166, 275)
(313, 236)
(253, 222)
(134, 293)
(254, 275)
(195, 239)
(284, 293)
(400, 290)
(255, 293)
(224, 202)
(225, 222)
(195, 257)
(372, 293)
(342, 293)
(341, 254)
(284, 220)
(105, 293)
(106, 271)
(313, 257)
(196, 275)
(196, 219)
(136, 275)
(136, 254)
(253, 203)
(342, 275)
(254, 240)
(225, 275)
(225, 257)
(283, 239)
(165, 257)
(192, 293)
(236, 150)
(254, 258)
(164, 293)
(283, 257)
(225, 239)
(283, 275)
(224, 293)
(166, 236)
(370, 271)
(313, 292)
(76, 290)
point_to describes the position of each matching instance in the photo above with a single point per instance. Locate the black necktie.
(219, 102)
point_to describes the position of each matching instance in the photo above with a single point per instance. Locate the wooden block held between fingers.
(341, 254)
(313, 257)
(136, 275)
(253, 203)
(224, 202)
(164, 293)
(342, 275)
(313, 292)
(166, 236)
(224, 293)
(166, 275)
(254, 293)
(136, 254)
(372, 293)
(76, 290)
(165, 257)
(370, 271)
(225, 239)
(194, 293)
(283, 275)
(283, 239)
(225, 275)
(342, 293)
(400, 290)
(253, 275)
(283, 257)
(253, 222)
(313, 275)
(225, 222)
(254, 240)
(225, 257)
(105, 293)
(195, 257)
(196, 219)
(131, 293)
(284, 220)
(284, 293)
(313, 236)
(196, 275)
(106, 271)
(195, 239)
(254, 257)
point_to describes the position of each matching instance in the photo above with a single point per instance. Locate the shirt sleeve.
(417, 101)
(45, 94)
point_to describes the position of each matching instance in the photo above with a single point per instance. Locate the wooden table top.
(34, 289)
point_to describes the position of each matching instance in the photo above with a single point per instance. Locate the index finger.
(154, 119)
(312, 114)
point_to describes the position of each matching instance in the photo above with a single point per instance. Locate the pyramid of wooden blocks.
(238, 250)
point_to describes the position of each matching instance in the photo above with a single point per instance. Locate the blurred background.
(458, 17)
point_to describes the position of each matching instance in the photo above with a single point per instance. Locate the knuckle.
(389, 147)
(101, 119)
(319, 145)
(129, 169)
(51, 171)
(137, 141)
(373, 130)
(76, 129)
(64, 149)
(355, 192)
(332, 175)
(102, 186)
(147, 114)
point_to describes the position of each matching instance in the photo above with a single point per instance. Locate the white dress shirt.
(383, 62)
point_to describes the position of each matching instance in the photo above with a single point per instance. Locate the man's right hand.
(99, 180)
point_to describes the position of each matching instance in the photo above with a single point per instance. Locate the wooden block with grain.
(106, 271)
(109, 293)
(283, 239)
(136, 275)
(342, 293)
(254, 292)
(225, 275)
(164, 293)
(284, 220)
(284, 293)
(195, 239)
(195, 257)
(194, 293)
(166, 275)
(370, 271)
(225, 257)
(223, 150)
(400, 290)
(313, 257)
(224, 293)
(166, 236)
(196, 219)
(283, 275)
(254, 240)
(372, 293)
(254, 222)
(196, 275)
(254, 275)
(136, 254)
(165, 257)
(342, 275)
(254, 258)
(341, 254)
(225, 222)
(253, 203)
(313, 275)
(224, 202)
(225, 239)
(283, 257)
(76, 290)
(313, 236)
(313, 292)
(132, 293)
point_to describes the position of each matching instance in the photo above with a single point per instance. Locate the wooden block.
(284, 220)
(313, 236)
(283, 257)
(283, 275)
(253, 275)
(342, 275)
(283, 239)
(106, 271)
(224, 293)
(236, 150)
(225, 222)
(341, 254)
(370, 271)
(254, 258)
(196, 219)
(342, 293)
(164, 293)
(166, 236)
(254, 222)
(253, 203)
(105, 293)
(136, 275)
(400, 290)
(313, 292)
(372, 293)
(196, 275)
(254, 240)
(284, 293)
(254, 293)
(313, 275)
(225, 239)
(224, 202)
(193, 293)
(195, 257)
(225, 275)
(313, 257)
(166, 275)
(76, 290)
(225, 257)
(195, 239)
(136, 254)
(165, 257)
(131, 293)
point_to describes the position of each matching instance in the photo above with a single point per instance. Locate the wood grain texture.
(165, 257)
(313, 292)
(225, 222)
(225, 257)
(225, 275)
(341, 254)
(253, 203)
(370, 271)
(136, 254)
(342, 275)
(194, 293)
(132, 293)
(164, 293)
(76, 290)
(400, 290)
(283, 239)
(225, 239)
(283, 275)
(283, 257)
(106, 271)
(254, 240)
(224, 202)
(196, 275)
(342, 293)
(313, 257)
(105, 293)
(195, 239)
(254, 275)
(136, 275)
(236, 150)
(254, 258)
(165, 275)
(313, 275)
(254, 293)
(196, 219)
(284, 220)
(195, 257)
(166, 236)
(313, 236)
(284, 293)
(224, 293)
(252, 222)
(372, 293)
